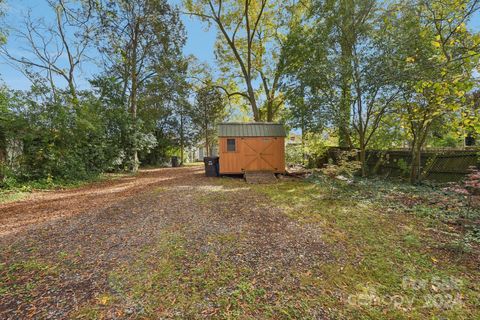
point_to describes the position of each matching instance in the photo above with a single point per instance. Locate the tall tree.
(346, 31)
(5, 120)
(3, 105)
(375, 82)
(249, 43)
(320, 58)
(163, 108)
(3, 37)
(439, 55)
(207, 112)
(338, 64)
(138, 39)
(340, 25)
(46, 44)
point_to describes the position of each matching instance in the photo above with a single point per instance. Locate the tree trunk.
(181, 139)
(207, 151)
(256, 113)
(133, 96)
(417, 145)
(344, 116)
(270, 111)
(346, 48)
(304, 155)
(73, 91)
(363, 159)
(207, 145)
(3, 160)
(253, 102)
(416, 163)
(270, 106)
(3, 155)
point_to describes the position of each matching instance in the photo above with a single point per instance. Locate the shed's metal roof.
(256, 129)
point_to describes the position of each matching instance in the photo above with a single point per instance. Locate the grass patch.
(206, 198)
(16, 191)
(166, 280)
(22, 277)
(159, 190)
(380, 252)
(193, 164)
(169, 280)
(12, 196)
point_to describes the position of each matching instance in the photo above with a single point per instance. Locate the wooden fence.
(437, 165)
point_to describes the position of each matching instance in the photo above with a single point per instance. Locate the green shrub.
(404, 167)
(344, 165)
(294, 154)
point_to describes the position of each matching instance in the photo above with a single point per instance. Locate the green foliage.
(58, 143)
(400, 77)
(130, 114)
(380, 245)
(294, 154)
(141, 43)
(206, 113)
(404, 167)
(439, 55)
(3, 37)
(344, 164)
(341, 72)
(309, 152)
(390, 133)
(50, 141)
(315, 147)
(248, 48)
(398, 74)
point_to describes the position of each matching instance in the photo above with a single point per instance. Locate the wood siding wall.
(252, 154)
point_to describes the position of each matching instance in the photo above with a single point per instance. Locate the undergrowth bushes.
(46, 141)
(435, 205)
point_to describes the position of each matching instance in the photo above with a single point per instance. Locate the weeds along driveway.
(169, 243)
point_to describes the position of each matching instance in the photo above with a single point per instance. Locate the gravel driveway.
(59, 249)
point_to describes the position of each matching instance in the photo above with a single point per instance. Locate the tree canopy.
(355, 74)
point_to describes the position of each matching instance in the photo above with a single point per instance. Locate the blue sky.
(200, 42)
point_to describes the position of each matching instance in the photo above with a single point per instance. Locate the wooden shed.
(250, 147)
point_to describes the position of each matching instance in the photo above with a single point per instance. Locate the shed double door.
(262, 154)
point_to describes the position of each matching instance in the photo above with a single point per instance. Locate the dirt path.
(59, 251)
(44, 207)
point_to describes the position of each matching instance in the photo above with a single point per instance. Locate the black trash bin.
(174, 162)
(469, 141)
(211, 166)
